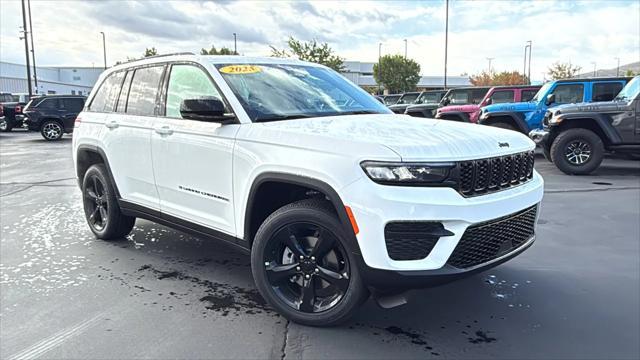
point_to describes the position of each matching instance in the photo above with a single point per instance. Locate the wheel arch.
(87, 155)
(455, 116)
(598, 123)
(514, 118)
(48, 118)
(250, 220)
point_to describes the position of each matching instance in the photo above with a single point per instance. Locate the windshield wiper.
(281, 117)
(357, 112)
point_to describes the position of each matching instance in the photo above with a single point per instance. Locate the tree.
(150, 52)
(311, 51)
(397, 73)
(630, 72)
(562, 70)
(213, 51)
(502, 78)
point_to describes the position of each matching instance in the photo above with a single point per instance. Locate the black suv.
(575, 136)
(53, 115)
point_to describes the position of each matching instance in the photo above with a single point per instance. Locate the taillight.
(18, 109)
(77, 121)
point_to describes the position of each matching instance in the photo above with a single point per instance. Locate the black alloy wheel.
(307, 267)
(96, 206)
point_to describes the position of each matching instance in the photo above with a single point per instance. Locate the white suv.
(331, 193)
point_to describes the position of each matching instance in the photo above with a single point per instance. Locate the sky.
(67, 33)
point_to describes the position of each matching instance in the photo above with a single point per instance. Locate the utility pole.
(490, 58)
(33, 49)
(524, 70)
(235, 44)
(379, 66)
(26, 48)
(104, 49)
(618, 67)
(529, 72)
(405, 49)
(446, 42)
(595, 72)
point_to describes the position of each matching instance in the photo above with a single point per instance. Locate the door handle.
(111, 124)
(164, 130)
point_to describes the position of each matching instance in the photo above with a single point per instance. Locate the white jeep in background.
(331, 193)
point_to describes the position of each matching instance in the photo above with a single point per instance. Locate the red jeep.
(495, 95)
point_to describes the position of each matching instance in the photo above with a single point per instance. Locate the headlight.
(407, 173)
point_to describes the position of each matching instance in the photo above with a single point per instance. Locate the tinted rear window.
(48, 104)
(502, 96)
(606, 91)
(73, 105)
(144, 91)
(105, 98)
(527, 95)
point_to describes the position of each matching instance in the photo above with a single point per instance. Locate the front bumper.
(539, 136)
(374, 206)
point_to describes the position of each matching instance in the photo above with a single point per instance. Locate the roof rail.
(172, 54)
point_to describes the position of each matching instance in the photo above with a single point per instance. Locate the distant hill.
(635, 67)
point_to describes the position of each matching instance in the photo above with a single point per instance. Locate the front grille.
(489, 240)
(411, 240)
(482, 176)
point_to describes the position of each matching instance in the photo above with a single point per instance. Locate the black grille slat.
(411, 240)
(493, 174)
(484, 242)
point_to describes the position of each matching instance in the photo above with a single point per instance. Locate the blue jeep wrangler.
(526, 116)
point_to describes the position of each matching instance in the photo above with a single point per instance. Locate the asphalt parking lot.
(163, 294)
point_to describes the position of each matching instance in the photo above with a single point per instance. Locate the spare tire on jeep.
(577, 151)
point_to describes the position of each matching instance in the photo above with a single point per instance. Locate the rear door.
(192, 160)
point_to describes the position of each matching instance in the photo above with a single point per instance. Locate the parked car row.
(609, 124)
(50, 115)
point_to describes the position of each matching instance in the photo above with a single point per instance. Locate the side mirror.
(204, 109)
(551, 98)
(488, 102)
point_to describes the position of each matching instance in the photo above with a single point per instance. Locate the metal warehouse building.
(51, 79)
(361, 73)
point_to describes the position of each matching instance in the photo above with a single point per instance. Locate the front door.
(192, 160)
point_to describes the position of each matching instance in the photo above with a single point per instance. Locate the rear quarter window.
(105, 98)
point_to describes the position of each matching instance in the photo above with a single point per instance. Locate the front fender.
(515, 118)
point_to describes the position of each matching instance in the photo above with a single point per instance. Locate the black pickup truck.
(12, 106)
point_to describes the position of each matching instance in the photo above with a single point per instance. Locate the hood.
(604, 106)
(427, 106)
(411, 138)
(398, 108)
(460, 108)
(519, 106)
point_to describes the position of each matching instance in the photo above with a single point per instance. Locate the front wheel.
(51, 130)
(5, 126)
(577, 151)
(101, 208)
(304, 267)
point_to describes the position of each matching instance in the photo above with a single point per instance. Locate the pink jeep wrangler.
(495, 95)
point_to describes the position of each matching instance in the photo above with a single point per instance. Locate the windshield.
(391, 99)
(428, 98)
(543, 90)
(271, 92)
(408, 98)
(630, 91)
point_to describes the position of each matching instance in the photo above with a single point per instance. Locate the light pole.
(529, 71)
(104, 49)
(490, 58)
(446, 42)
(33, 49)
(235, 44)
(618, 67)
(26, 48)
(595, 72)
(379, 66)
(524, 70)
(405, 49)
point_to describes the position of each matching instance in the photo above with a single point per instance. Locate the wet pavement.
(160, 293)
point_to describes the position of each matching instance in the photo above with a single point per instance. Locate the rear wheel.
(5, 126)
(304, 267)
(101, 208)
(577, 151)
(51, 130)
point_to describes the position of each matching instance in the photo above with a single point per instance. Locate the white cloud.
(581, 32)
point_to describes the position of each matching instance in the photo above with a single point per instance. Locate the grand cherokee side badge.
(503, 144)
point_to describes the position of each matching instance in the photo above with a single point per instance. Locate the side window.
(460, 97)
(569, 93)
(73, 105)
(144, 91)
(105, 98)
(527, 95)
(478, 95)
(48, 104)
(502, 96)
(187, 82)
(606, 91)
(124, 93)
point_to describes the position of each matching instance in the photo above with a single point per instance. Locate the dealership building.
(74, 80)
(361, 73)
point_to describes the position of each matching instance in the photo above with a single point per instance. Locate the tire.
(99, 199)
(504, 125)
(51, 130)
(577, 151)
(5, 126)
(546, 151)
(282, 261)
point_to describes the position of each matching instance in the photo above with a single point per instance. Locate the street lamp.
(104, 49)
(524, 70)
(405, 49)
(490, 58)
(446, 42)
(618, 67)
(235, 44)
(595, 72)
(379, 66)
(25, 36)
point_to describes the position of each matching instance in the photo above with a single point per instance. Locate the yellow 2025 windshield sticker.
(240, 69)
